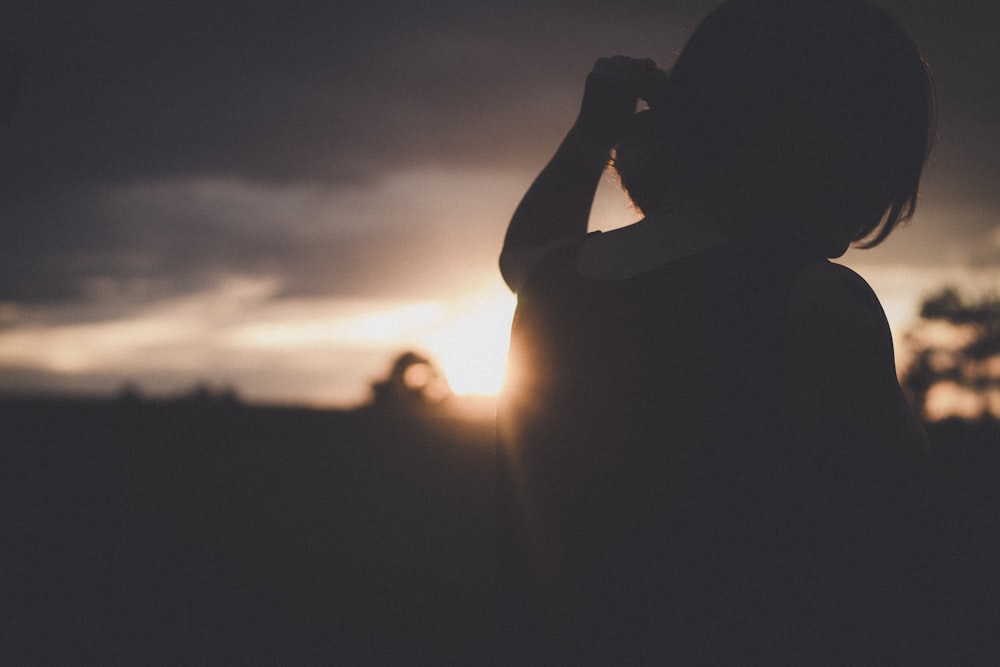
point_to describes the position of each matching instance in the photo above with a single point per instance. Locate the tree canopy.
(955, 365)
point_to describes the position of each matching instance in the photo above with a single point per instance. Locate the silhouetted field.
(211, 532)
(184, 533)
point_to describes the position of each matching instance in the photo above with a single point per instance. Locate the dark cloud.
(278, 91)
(339, 91)
(408, 237)
(115, 97)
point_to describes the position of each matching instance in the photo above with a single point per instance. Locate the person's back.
(642, 425)
(655, 501)
(703, 452)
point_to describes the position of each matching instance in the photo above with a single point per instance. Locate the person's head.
(811, 116)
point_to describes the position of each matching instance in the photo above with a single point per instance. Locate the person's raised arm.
(557, 205)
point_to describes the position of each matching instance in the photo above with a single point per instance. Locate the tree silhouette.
(414, 384)
(955, 369)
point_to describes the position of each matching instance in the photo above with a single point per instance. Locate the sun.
(471, 345)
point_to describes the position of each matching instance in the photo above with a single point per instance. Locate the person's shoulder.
(832, 292)
(840, 365)
(835, 318)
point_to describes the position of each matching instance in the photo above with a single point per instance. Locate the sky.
(281, 197)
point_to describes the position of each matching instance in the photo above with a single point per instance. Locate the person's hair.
(845, 62)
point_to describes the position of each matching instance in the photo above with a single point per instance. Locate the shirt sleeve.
(517, 264)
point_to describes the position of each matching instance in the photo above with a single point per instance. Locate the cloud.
(345, 92)
(234, 333)
(334, 91)
(414, 233)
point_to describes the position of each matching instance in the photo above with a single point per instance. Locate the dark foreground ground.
(216, 533)
(141, 533)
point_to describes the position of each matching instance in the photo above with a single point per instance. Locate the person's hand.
(613, 88)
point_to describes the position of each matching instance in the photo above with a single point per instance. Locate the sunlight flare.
(471, 346)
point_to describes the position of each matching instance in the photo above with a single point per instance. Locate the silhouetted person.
(704, 454)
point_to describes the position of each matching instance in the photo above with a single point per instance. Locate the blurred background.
(252, 328)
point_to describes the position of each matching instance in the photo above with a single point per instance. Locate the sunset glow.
(317, 351)
(471, 347)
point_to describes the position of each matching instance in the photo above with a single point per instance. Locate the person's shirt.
(836, 344)
(708, 411)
